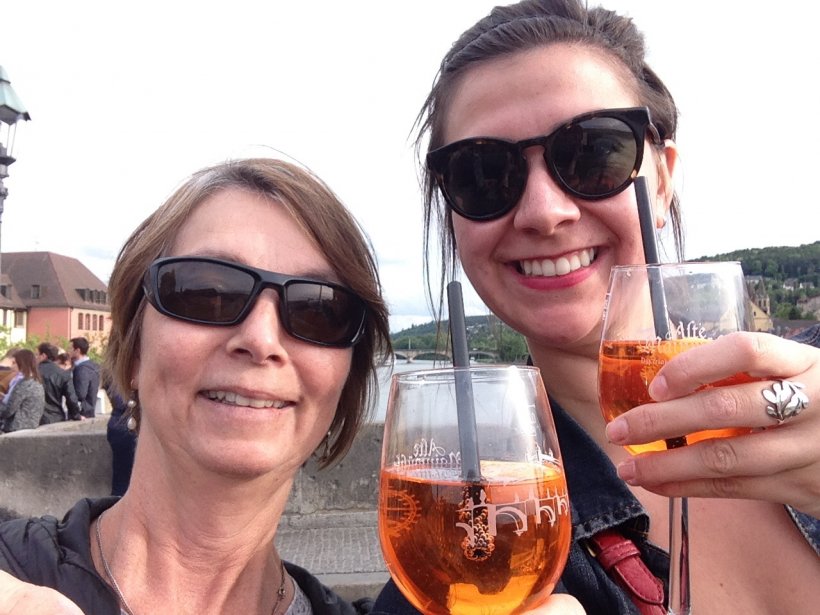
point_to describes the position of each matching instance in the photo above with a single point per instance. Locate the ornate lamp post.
(11, 111)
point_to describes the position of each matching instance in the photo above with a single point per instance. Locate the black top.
(58, 383)
(57, 554)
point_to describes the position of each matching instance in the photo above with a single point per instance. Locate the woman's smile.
(236, 399)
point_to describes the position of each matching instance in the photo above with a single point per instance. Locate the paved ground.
(341, 549)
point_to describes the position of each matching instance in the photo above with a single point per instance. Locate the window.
(4, 290)
(79, 320)
(35, 291)
(19, 318)
(87, 322)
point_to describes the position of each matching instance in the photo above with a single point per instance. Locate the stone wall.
(46, 470)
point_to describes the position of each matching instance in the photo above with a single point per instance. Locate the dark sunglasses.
(210, 291)
(592, 156)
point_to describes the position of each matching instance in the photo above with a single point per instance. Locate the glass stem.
(679, 598)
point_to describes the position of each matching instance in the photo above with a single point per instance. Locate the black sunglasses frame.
(637, 119)
(262, 279)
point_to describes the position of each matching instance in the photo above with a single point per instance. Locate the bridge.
(432, 354)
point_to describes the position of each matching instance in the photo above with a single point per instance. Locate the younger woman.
(541, 116)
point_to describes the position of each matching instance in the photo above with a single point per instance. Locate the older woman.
(247, 320)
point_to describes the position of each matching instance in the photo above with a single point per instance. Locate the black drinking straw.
(465, 404)
(656, 292)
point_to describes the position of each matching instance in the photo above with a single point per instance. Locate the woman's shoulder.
(32, 544)
(56, 553)
(29, 386)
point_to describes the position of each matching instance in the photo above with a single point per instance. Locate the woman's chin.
(245, 460)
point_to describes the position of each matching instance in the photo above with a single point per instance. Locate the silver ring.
(786, 399)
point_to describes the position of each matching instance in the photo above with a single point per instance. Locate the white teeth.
(229, 397)
(560, 266)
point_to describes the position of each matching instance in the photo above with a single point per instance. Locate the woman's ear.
(667, 163)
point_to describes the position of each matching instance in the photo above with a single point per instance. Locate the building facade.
(52, 297)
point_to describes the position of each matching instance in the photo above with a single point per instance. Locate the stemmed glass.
(651, 314)
(489, 539)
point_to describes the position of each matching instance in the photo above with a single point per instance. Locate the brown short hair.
(322, 217)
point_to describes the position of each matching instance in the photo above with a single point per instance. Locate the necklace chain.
(280, 593)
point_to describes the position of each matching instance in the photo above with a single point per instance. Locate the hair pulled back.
(521, 27)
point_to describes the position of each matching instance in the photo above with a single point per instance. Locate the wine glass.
(651, 314)
(473, 508)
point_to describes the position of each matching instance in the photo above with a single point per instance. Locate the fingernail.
(617, 431)
(626, 471)
(658, 388)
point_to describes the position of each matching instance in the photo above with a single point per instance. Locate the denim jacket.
(808, 526)
(599, 500)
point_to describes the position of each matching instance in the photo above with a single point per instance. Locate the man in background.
(58, 386)
(86, 377)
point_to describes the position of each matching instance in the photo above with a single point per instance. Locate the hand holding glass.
(653, 313)
(700, 302)
(496, 543)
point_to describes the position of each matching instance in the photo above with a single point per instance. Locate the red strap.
(622, 560)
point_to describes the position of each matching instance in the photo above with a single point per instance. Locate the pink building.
(60, 296)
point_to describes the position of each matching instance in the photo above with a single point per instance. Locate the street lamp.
(11, 111)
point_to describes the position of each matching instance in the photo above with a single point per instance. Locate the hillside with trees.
(790, 275)
(485, 333)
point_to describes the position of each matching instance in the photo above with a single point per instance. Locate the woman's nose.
(544, 206)
(260, 334)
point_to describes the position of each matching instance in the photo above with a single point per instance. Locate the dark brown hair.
(322, 217)
(27, 364)
(521, 27)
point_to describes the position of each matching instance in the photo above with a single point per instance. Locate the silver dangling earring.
(131, 423)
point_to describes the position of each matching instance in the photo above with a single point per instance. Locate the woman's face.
(182, 365)
(522, 96)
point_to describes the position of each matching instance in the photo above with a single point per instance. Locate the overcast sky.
(128, 99)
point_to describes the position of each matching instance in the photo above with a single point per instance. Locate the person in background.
(22, 405)
(6, 372)
(58, 385)
(121, 439)
(64, 361)
(541, 116)
(86, 377)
